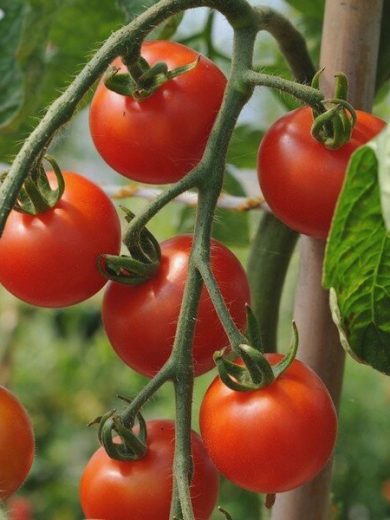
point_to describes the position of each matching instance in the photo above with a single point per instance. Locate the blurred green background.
(60, 364)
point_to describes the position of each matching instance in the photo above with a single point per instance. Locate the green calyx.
(141, 80)
(335, 118)
(140, 265)
(36, 195)
(255, 372)
(130, 446)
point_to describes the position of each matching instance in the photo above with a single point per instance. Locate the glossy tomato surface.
(140, 321)
(49, 259)
(299, 178)
(16, 443)
(161, 138)
(141, 489)
(273, 439)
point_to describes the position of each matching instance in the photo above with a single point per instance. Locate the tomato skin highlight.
(161, 138)
(141, 489)
(140, 321)
(49, 259)
(273, 439)
(301, 179)
(16, 443)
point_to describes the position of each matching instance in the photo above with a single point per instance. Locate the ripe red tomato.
(273, 439)
(19, 508)
(50, 259)
(16, 444)
(161, 138)
(301, 179)
(141, 489)
(140, 321)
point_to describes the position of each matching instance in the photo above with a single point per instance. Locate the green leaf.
(44, 44)
(11, 26)
(167, 29)
(357, 264)
(383, 68)
(230, 227)
(133, 8)
(23, 36)
(381, 146)
(309, 8)
(243, 147)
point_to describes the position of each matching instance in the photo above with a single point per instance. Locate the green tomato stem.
(233, 333)
(269, 258)
(309, 95)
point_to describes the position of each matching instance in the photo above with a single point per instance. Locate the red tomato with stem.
(300, 178)
(273, 439)
(49, 259)
(16, 443)
(161, 138)
(140, 321)
(141, 489)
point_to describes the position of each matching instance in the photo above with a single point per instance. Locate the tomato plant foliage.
(358, 258)
(287, 429)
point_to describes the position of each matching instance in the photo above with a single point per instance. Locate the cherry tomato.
(161, 138)
(273, 439)
(50, 259)
(141, 489)
(16, 443)
(301, 179)
(140, 321)
(19, 508)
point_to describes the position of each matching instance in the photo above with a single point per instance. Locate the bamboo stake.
(350, 44)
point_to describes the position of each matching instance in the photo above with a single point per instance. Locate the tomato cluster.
(267, 440)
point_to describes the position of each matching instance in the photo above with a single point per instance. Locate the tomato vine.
(206, 177)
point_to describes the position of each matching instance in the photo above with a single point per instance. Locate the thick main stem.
(213, 166)
(269, 258)
(350, 44)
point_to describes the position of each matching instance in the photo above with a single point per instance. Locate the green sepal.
(142, 263)
(335, 119)
(145, 248)
(141, 81)
(256, 372)
(119, 82)
(126, 270)
(132, 446)
(259, 369)
(253, 330)
(36, 195)
(283, 365)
